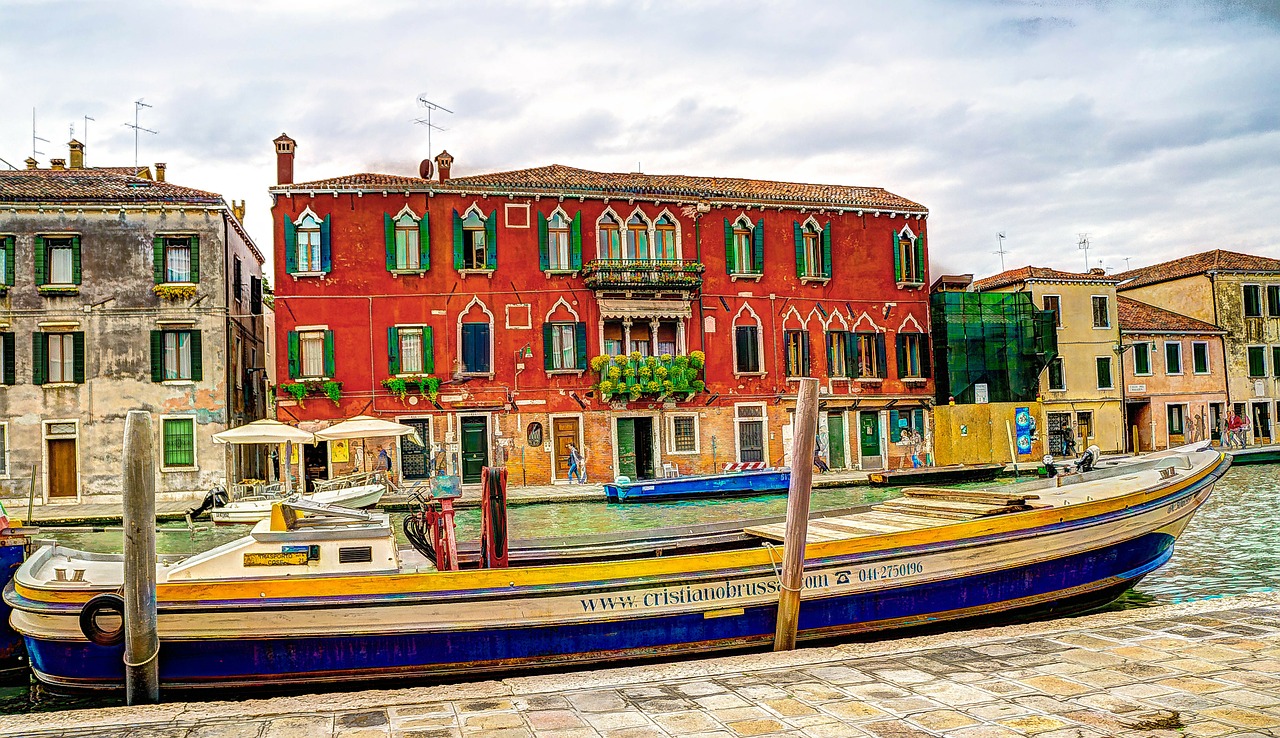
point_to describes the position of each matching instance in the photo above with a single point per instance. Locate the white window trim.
(733, 338)
(427, 442)
(622, 227)
(750, 226)
(195, 447)
(1186, 416)
(414, 326)
(1208, 360)
(1057, 319)
(493, 359)
(1151, 349)
(1266, 362)
(1182, 360)
(510, 207)
(528, 324)
(1111, 366)
(764, 432)
(300, 329)
(1106, 327)
(679, 232)
(670, 427)
(45, 435)
(8, 445)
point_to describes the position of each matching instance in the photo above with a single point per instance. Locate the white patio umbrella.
(365, 426)
(269, 432)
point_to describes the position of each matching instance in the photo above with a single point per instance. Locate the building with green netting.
(1000, 339)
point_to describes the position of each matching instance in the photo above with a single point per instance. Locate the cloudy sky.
(1153, 126)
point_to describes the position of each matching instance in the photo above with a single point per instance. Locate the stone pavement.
(1209, 668)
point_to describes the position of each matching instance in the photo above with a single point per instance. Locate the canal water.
(1229, 548)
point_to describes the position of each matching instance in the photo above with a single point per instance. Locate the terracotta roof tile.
(1139, 317)
(1218, 260)
(558, 178)
(1044, 274)
(92, 186)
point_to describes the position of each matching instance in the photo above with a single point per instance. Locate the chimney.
(237, 209)
(1096, 271)
(284, 159)
(443, 163)
(57, 165)
(32, 163)
(77, 154)
(160, 171)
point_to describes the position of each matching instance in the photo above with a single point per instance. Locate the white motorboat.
(356, 491)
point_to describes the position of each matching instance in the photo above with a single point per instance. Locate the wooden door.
(62, 467)
(835, 440)
(565, 432)
(645, 466)
(627, 447)
(475, 449)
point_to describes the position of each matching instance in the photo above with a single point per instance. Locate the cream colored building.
(1081, 390)
(1241, 294)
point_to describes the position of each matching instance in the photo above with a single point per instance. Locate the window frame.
(167, 241)
(912, 340)
(1244, 299)
(475, 241)
(803, 355)
(837, 353)
(1275, 362)
(662, 232)
(164, 355)
(873, 356)
(402, 232)
(1248, 355)
(671, 434)
(812, 234)
(609, 237)
(1111, 373)
(1273, 300)
(65, 338)
(307, 240)
(408, 332)
(1208, 363)
(743, 243)
(638, 228)
(303, 335)
(558, 237)
(1062, 374)
(1168, 419)
(1147, 347)
(1087, 417)
(738, 420)
(165, 466)
(558, 330)
(1057, 308)
(1106, 303)
(49, 247)
(1181, 362)
(462, 368)
(759, 344)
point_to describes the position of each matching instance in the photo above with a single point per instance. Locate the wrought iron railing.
(643, 274)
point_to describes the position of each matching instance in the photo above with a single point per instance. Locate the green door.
(869, 433)
(627, 447)
(835, 440)
(475, 449)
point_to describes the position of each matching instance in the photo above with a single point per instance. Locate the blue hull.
(1093, 577)
(11, 557)
(736, 484)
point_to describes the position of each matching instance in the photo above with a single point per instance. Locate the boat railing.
(254, 490)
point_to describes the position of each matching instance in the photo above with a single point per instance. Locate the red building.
(654, 321)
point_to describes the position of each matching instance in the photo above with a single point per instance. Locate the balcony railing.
(643, 274)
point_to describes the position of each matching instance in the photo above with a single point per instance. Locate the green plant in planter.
(629, 370)
(615, 373)
(397, 386)
(697, 385)
(635, 391)
(645, 372)
(661, 372)
(668, 387)
(697, 359)
(606, 389)
(680, 362)
(333, 390)
(666, 358)
(653, 388)
(432, 387)
(295, 390)
(599, 364)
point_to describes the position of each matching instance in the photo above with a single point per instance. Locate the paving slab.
(1133, 673)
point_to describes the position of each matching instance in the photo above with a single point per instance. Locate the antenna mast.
(431, 107)
(1083, 245)
(88, 118)
(1000, 248)
(34, 137)
(138, 105)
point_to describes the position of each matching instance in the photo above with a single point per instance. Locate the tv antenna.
(138, 105)
(1126, 263)
(1000, 248)
(34, 137)
(1083, 245)
(431, 107)
(88, 118)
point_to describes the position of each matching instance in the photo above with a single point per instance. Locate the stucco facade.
(82, 335)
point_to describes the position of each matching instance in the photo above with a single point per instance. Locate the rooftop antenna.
(7, 164)
(1126, 263)
(431, 107)
(1000, 249)
(87, 118)
(1083, 245)
(34, 137)
(138, 105)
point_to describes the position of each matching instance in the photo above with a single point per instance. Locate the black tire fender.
(109, 602)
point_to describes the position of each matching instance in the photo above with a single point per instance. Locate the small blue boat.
(732, 484)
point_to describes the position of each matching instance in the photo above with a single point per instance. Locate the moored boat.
(1256, 455)
(363, 491)
(953, 474)
(327, 598)
(731, 484)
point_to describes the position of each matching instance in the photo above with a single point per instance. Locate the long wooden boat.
(936, 475)
(731, 484)
(294, 603)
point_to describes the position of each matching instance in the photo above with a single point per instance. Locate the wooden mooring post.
(803, 437)
(141, 635)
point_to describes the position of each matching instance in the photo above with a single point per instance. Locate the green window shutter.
(901, 341)
(457, 241)
(826, 250)
(804, 354)
(799, 236)
(897, 258)
(39, 359)
(197, 357)
(157, 264)
(75, 260)
(730, 255)
(831, 355)
(157, 356)
(757, 247)
(77, 343)
(41, 276)
(575, 241)
(389, 231)
(329, 368)
(926, 358)
(580, 344)
(393, 350)
(881, 357)
(290, 246)
(851, 354)
(895, 433)
(919, 254)
(7, 348)
(544, 259)
(195, 258)
(295, 366)
(547, 351)
(424, 243)
(491, 240)
(326, 250)
(1275, 360)
(9, 254)
(428, 350)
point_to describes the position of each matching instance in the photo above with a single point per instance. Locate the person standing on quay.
(576, 466)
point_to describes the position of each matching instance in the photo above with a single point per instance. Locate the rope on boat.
(145, 661)
(777, 573)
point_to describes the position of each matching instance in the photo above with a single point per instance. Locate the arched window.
(474, 246)
(558, 241)
(637, 237)
(610, 246)
(742, 252)
(665, 238)
(309, 245)
(407, 252)
(812, 250)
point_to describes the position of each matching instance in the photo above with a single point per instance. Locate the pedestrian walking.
(577, 467)
(819, 459)
(1234, 424)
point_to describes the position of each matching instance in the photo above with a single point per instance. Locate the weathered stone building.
(122, 291)
(1240, 293)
